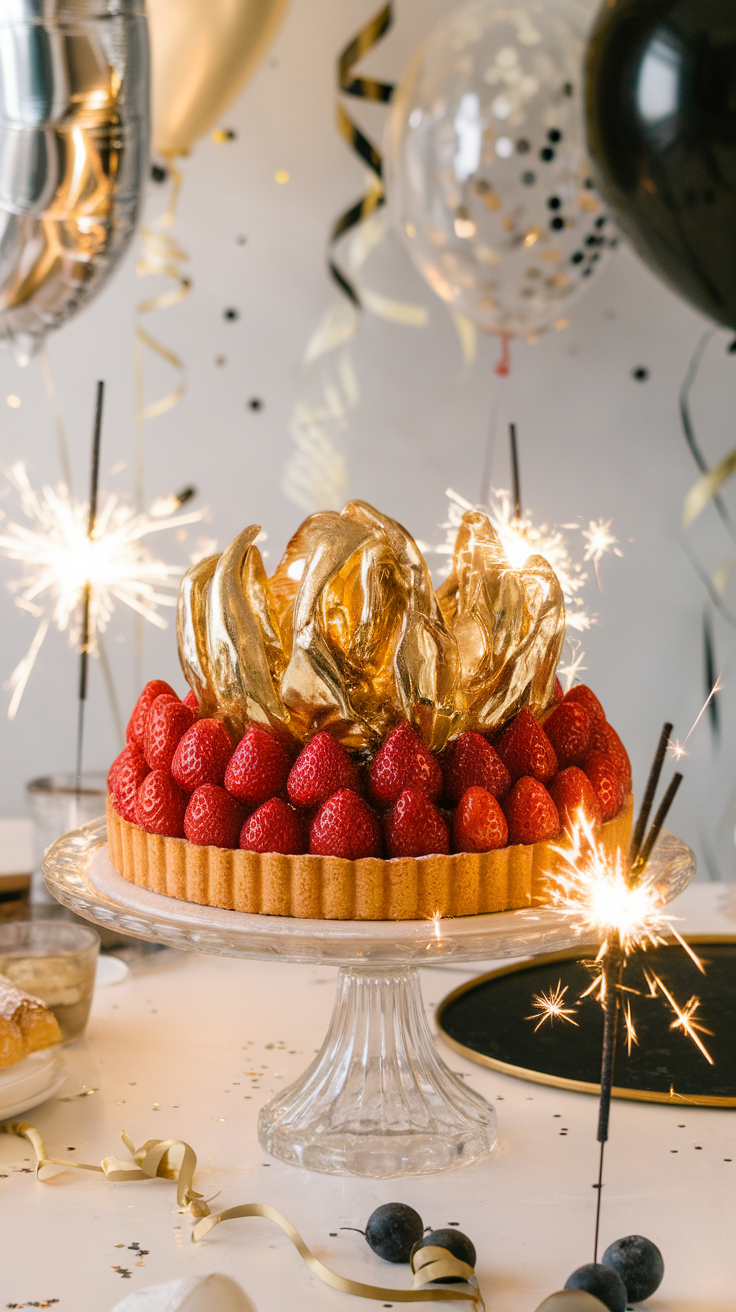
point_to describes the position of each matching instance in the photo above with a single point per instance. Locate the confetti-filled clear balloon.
(487, 175)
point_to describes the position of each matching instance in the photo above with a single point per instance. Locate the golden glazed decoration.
(349, 634)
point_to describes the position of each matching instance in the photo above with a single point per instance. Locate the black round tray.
(492, 1020)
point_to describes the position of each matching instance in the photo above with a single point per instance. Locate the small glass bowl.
(56, 963)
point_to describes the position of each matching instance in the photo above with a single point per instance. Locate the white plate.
(31, 1081)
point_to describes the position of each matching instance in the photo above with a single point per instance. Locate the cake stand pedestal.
(377, 1100)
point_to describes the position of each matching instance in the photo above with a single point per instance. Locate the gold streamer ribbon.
(365, 89)
(707, 486)
(173, 1159)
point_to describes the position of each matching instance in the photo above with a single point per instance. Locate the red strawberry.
(558, 693)
(213, 818)
(525, 749)
(345, 826)
(413, 827)
(582, 694)
(570, 731)
(605, 739)
(322, 768)
(259, 768)
(136, 729)
(202, 755)
(128, 778)
(274, 827)
(167, 722)
(479, 824)
(403, 762)
(160, 805)
(469, 762)
(571, 791)
(129, 753)
(192, 701)
(531, 814)
(608, 785)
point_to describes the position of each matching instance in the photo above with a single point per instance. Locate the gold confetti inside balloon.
(487, 177)
(203, 52)
(349, 635)
(74, 129)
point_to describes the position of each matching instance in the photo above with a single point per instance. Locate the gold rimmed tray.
(492, 1020)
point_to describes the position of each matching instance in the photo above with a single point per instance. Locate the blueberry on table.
(456, 1243)
(393, 1230)
(638, 1262)
(602, 1282)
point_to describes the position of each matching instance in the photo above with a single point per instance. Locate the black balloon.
(393, 1230)
(661, 116)
(639, 1263)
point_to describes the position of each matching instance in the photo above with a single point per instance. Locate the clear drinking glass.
(59, 803)
(55, 962)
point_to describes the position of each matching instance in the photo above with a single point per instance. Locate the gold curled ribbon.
(707, 487)
(173, 1159)
(161, 256)
(365, 89)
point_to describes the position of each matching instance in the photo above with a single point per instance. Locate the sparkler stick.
(612, 968)
(657, 823)
(515, 470)
(92, 518)
(651, 789)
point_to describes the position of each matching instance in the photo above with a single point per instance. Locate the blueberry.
(456, 1243)
(602, 1282)
(639, 1264)
(393, 1230)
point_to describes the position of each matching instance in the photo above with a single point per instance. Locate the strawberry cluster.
(183, 777)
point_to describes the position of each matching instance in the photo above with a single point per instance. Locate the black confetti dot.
(547, 154)
(698, 1147)
(159, 173)
(567, 89)
(577, 257)
(554, 134)
(640, 374)
(557, 223)
(256, 403)
(600, 222)
(522, 146)
(591, 241)
(588, 183)
(240, 241)
(554, 203)
(731, 348)
(587, 272)
(528, 179)
(231, 314)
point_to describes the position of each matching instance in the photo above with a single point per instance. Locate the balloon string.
(173, 1159)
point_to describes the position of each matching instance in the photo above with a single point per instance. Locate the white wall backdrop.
(594, 441)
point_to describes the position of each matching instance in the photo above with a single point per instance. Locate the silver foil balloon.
(487, 176)
(74, 141)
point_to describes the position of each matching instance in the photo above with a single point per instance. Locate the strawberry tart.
(355, 745)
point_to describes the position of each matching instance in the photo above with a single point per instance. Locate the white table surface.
(171, 1054)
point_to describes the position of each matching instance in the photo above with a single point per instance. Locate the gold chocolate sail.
(349, 635)
(509, 625)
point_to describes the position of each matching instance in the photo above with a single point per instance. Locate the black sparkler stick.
(91, 519)
(515, 470)
(651, 789)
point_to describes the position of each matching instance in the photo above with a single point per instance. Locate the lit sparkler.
(60, 562)
(679, 749)
(521, 538)
(551, 1007)
(600, 540)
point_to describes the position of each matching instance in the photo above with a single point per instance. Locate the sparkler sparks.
(684, 1017)
(521, 538)
(551, 1007)
(679, 749)
(59, 562)
(600, 540)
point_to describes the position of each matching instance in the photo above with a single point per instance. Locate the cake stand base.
(377, 1100)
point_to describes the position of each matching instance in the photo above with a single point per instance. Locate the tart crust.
(331, 888)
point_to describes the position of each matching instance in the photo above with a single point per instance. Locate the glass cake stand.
(377, 1100)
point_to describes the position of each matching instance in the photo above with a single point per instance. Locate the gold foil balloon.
(487, 178)
(349, 635)
(203, 52)
(74, 135)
